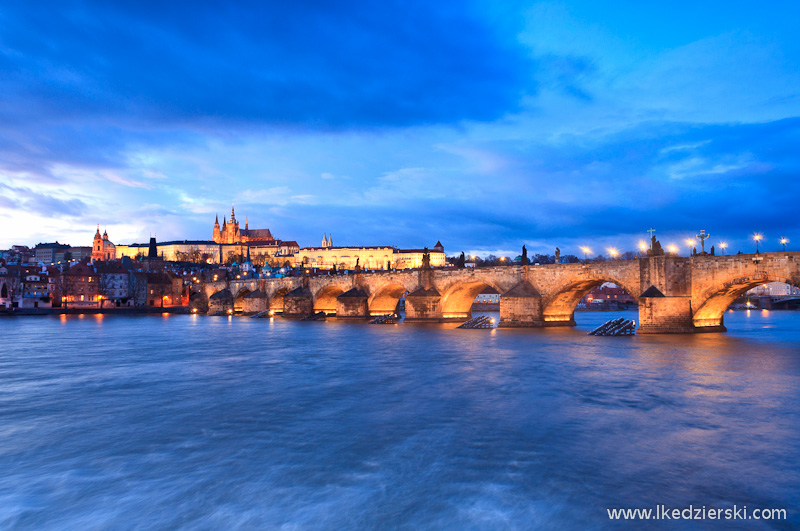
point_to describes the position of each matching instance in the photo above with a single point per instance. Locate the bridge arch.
(277, 299)
(559, 308)
(458, 298)
(713, 302)
(385, 299)
(325, 299)
(238, 301)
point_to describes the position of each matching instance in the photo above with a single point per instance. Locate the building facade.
(50, 253)
(102, 248)
(373, 258)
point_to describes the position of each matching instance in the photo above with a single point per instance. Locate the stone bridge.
(675, 294)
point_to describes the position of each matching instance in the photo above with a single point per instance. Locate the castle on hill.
(230, 233)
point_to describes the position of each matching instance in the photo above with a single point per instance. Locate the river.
(161, 422)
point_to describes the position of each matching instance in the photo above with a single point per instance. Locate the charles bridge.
(675, 294)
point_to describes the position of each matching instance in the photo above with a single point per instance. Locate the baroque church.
(230, 233)
(102, 248)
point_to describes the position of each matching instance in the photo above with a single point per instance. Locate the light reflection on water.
(158, 421)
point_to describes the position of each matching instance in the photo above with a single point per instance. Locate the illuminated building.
(102, 248)
(230, 233)
(371, 257)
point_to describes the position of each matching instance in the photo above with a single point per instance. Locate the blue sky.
(483, 125)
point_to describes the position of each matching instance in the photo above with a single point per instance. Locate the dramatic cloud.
(400, 123)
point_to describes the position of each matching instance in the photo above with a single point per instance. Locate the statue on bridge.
(655, 247)
(558, 255)
(426, 259)
(358, 267)
(524, 256)
(461, 263)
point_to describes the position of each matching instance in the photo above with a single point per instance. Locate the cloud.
(25, 199)
(483, 126)
(329, 66)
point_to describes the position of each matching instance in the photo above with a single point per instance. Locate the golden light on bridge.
(672, 248)
(643, 246)
(723, 246)
(757, 237)
(784, 241)
(613, 252)
(586, 252)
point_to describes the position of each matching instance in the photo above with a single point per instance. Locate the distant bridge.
(675, 294)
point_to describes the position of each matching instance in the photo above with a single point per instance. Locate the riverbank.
(15, 312)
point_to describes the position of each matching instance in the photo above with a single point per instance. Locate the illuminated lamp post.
(757, 238)
(643, 248)
(586, 252)
(613, 252)
(673, 249)
(784, 241)
(723, 246)
(691, 243)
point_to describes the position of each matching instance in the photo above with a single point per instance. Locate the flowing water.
(170, 421)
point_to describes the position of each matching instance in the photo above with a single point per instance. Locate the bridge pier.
(521, 306)
(298, 303)
(352, 304)
(254, 302)
(424, 305)
(666, 315)
(665, 303)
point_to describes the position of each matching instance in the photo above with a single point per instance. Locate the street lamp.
(784, 241)
(672, 248)
(691, 243)
(757, 238)
(613, 252)
(643, 248)
(723, 246)
(586, 252)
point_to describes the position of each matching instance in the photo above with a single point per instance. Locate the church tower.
(216, 235)
(97, 245)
